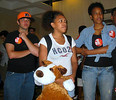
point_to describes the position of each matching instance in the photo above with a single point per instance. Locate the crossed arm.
(83, 51)
(15, 54)
(32, 48)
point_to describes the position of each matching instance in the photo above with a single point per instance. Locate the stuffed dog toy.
(46, 75)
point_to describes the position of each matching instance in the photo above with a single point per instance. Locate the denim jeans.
(114, 89)
(19, 86)
(105, 78)
(71, 93)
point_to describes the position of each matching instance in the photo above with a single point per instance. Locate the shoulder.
(110, 29)
(13, 33)
(88, 29)
(70, 40)
(47, 38)
(68, 37)
(11, 36)
(33, 37)
(85, 32)
(43, 42)
(110, 26)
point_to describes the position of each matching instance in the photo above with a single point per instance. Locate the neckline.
(57, 42)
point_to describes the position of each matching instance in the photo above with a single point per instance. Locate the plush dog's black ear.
(62, 70)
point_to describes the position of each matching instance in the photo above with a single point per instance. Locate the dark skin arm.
(101, 50)
(42, 54)
(74, 63)
(33, 48)
(15, 54)
(82, 63)
(83, 51)
(74, 68)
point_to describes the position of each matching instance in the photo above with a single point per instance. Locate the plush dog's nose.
(39, 73)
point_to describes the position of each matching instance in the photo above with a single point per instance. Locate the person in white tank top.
(61, 52)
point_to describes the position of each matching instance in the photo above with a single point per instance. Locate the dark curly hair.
(114, 9)
(48, 18)
(93, 5)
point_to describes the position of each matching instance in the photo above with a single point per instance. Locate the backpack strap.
(49, 42)
(69, 40)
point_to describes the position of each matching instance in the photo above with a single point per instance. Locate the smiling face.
(24, 23)
(59, 24)
(97, 15)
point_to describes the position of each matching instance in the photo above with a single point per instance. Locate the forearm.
(74, 68)
(101, 50)
(18, 54)
(34, 49)
(42, 54)
(79, 50)
(74, 62)
(15, 54)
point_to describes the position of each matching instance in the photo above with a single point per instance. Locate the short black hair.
(93, 5)
(48, 18)
(112, 11)
(4, 33)
(81, 28)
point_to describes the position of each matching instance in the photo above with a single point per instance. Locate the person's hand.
(23, 35)
(60, 82)
(72, 77)
(85, 52)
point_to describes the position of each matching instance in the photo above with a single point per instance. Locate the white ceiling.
(34, 7)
